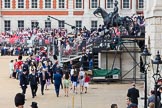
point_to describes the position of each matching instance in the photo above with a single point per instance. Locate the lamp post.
(145, 54)
(156, 75)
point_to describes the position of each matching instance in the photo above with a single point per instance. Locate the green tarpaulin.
(105, 72)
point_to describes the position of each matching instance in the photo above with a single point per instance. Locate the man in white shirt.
(81, 80)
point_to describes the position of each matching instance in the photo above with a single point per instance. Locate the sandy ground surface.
(98, 96)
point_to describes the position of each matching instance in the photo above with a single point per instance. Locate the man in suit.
(25, 67)
(57, 82)
(33, 80)
(43, 77)
(23, 81)
(133, 93)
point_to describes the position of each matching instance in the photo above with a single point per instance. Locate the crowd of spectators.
(38, 62)
(14, 42)
(40, 70)
(139, 25)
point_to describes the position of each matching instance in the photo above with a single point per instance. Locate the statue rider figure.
(115, 13)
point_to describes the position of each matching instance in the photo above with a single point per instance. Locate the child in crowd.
(74, 79)
(66, 83)
(81, 80)
(11, 65)
(86, 82)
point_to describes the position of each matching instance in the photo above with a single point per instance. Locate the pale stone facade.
(70, 18)
(153, 15)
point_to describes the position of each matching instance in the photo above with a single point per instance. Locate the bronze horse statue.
(125, 24)
(117, 21)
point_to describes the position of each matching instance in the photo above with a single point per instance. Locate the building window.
(20, 3)
(21, 24)
(78, 4)
(140, 4)
(61, 3)
(7, 4)
(47, 24)
(61, 24)
(110, 4)
(47, 3)
(94, 3)
(126, 4)
(94, 24)
(7, 25)
(34, 24)
(34, 4)
(79, 24)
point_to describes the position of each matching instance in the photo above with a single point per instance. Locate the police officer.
(25, 67)
(43, 77)
(23, 81)
(33, 80)
(57, 79)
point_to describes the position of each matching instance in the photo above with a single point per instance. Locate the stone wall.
(154, 32)
(153, 16)
(153, 41)
(86, 18)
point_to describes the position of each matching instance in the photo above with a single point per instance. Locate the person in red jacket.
(86, 82)
(19, 66)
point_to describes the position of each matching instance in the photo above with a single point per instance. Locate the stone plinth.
(123, 61)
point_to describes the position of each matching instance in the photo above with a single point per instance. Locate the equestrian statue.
(113, 19)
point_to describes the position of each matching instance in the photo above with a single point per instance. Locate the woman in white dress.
(11, 67)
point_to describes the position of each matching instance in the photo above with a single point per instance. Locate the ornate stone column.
(153, 35)
(153, 17)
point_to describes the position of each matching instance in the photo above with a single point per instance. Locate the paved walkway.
(98, 96)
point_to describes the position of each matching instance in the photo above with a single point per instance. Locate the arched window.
(94, 3)
(140, 4)
(61, 4)
(47, 4)
(78, 4)
(110, 3)
(20, 4)
(34, 3)
(7, 25)
(126, 4)
(7, 3)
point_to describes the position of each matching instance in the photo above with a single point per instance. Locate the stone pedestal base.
(153, 16)
(153, 39)
(154, 34)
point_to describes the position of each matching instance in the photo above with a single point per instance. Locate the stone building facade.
(153, 37)
(27, 13)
